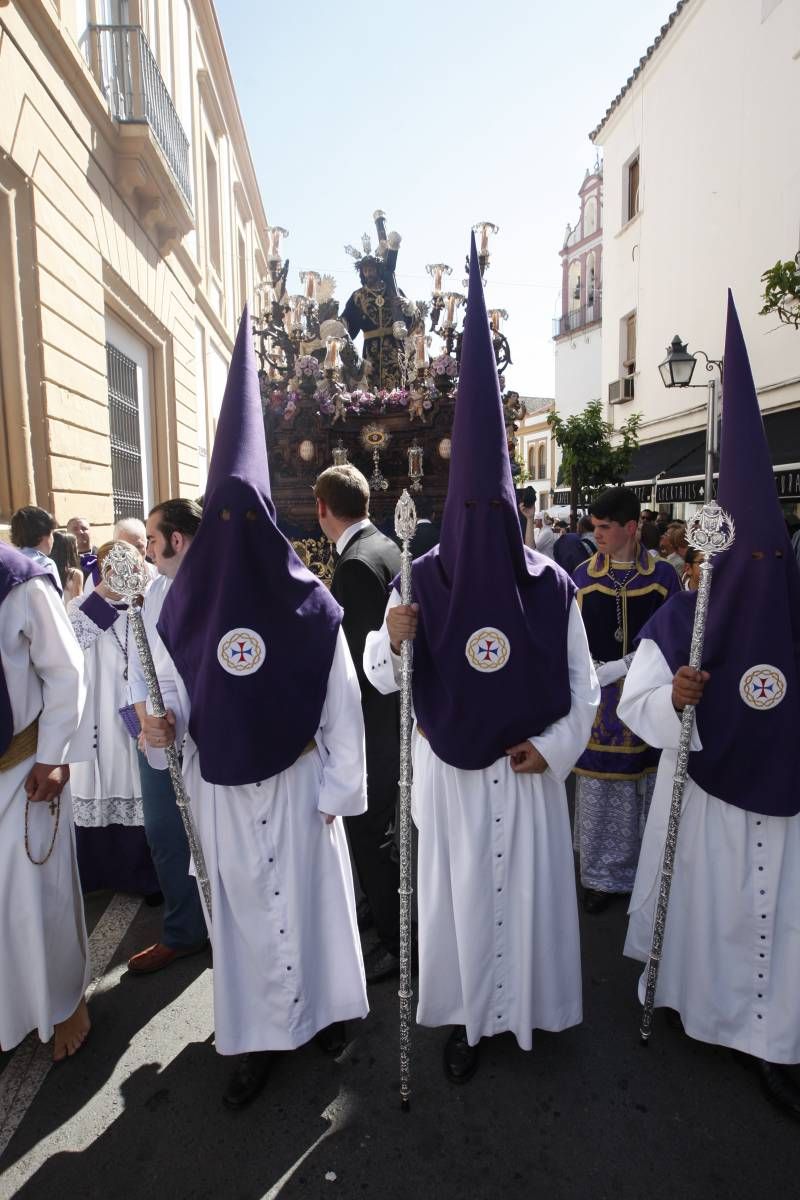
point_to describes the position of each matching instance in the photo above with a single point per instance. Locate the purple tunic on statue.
(15, 568)
(490, 656)
(250, 629)
(749, 716)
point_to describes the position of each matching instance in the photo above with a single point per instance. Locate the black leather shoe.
(333, 1039)
(364, 915)
(248, 1079)
(778, 1086)
(460, 1059)
(594, 901)
(380, 963)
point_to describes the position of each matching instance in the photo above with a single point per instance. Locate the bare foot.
(72, 1033)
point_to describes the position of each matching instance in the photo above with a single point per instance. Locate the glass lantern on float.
(307, 451)
(339, 453)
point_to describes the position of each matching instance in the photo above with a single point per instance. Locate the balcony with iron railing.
(153, 151)
(578, 318)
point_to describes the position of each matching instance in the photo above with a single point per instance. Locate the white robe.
(499, 946)
(730, 963)
(105, 784)
(44, 961)
(287, 953)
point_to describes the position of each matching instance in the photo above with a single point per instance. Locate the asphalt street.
(588, 1113)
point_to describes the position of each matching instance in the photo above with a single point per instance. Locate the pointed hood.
(251, 630)
(490, 665)
(750, 711)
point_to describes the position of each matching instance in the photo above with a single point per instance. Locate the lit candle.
(310, 278)
(450, 319)
(484, 239)
(421, 358)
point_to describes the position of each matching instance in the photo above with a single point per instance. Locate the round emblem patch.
(487, 649)
(762, 686)
(241, 652)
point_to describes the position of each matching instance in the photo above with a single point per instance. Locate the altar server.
(106, 792)
(257, 669)
(730, 964)
(43, 946)
(504, 696)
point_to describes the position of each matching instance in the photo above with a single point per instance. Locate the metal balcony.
(135, 90)
(578, 318)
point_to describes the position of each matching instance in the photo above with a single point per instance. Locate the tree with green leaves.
(782, 291)
(589, 459)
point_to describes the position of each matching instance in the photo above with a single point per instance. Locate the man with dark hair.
(171, 526)
(367, 562)
(426, 535)
(32, 533)
(619, 588)
(570, 549)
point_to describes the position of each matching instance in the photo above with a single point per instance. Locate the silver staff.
(405, 523)
(711, 531)
(124, 572)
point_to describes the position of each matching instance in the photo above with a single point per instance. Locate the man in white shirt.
(170, 529)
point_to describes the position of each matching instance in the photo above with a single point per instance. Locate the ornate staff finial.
(124, 571)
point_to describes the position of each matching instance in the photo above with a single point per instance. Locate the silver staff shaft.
(173, 758)
(710, 531)
(405, 525)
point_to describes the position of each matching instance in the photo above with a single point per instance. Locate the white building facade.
(702, 194)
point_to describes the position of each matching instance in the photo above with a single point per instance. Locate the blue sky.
(442, 114)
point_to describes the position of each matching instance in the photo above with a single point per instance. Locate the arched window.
(590, 216)
(590, 278)
(542, 464)
(532, 461)
(574, 284)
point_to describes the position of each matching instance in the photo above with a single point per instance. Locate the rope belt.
(373, 333)
(312, 745)
(422, 733)
(21, 746)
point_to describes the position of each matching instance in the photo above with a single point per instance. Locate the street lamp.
(676, 371)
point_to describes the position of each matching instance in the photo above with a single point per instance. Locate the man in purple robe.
(730, 962)
(504, 695)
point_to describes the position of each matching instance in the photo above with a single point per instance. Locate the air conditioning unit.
(621, 390)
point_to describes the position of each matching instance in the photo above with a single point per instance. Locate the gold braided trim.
(312, 745)
(21, 746)
(422, 733)
(373, 333)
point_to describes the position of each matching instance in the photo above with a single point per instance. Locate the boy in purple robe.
(504, 695)
(730, 963)
(619, 589)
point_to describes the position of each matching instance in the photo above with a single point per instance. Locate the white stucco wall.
(714, 116)
(578, 370)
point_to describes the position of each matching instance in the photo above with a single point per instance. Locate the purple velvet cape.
(614, 751)
(480, 575)
(15, 568)
(240, 571)
(750, 757)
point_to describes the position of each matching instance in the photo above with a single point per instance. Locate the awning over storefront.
(677, 465)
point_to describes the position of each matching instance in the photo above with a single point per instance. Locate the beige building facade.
(536, 448)
(132, 231)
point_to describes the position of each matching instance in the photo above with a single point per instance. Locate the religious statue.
(379, 310)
